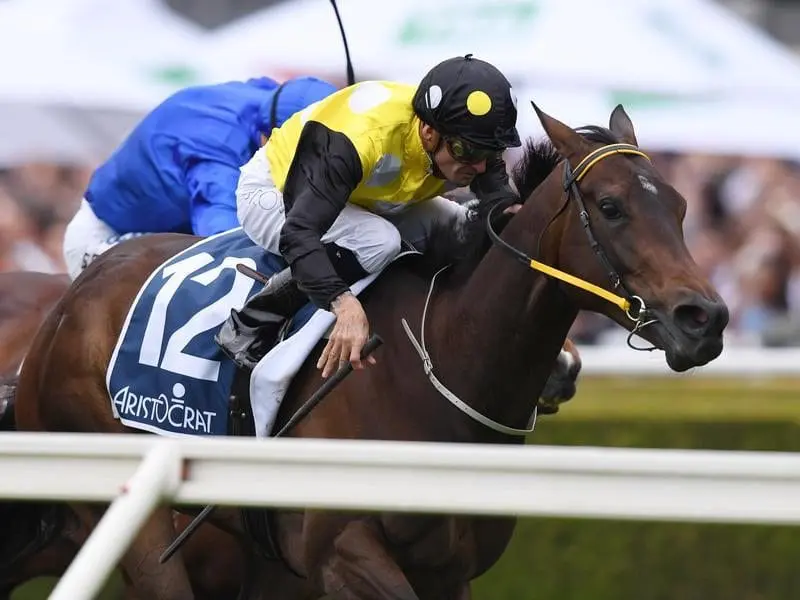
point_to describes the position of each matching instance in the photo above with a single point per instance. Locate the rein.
(624, 302)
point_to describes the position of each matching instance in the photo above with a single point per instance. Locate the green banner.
(448, 21)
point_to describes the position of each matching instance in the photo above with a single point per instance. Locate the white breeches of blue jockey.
(87, 237)
(373, 239)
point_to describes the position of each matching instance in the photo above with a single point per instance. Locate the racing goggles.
(467, 153)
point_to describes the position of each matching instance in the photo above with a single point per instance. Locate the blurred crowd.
(36, 202)
(742, 227)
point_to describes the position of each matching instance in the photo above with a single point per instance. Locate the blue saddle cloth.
(167, 375)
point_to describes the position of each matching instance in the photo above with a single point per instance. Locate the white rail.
(681, 485)
(617, 359)
(157, 478)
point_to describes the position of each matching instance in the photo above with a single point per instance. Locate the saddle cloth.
(168, 376)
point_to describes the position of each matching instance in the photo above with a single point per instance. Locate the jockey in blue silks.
(179, 168)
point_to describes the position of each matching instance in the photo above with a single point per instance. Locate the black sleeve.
(324, 172)
(492, 185)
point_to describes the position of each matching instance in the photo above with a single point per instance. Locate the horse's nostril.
(692, 316)
(701, 317)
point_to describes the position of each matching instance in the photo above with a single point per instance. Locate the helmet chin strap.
(435, 171)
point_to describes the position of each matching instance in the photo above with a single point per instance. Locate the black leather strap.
(273, 110)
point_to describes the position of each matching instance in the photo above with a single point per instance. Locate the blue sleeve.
(212, 189)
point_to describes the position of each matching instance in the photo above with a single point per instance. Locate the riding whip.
(326, 388)
(351, 78)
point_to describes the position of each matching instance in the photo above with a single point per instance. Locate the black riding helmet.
(468, 98)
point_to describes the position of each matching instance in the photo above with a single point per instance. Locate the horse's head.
(621, 227)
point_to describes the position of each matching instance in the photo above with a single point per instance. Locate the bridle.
(640, 317)
(572, 177)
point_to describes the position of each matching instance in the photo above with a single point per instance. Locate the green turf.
(561, 559)
(38, 589)
(685, 399)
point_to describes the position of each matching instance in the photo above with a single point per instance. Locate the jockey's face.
(454, 159)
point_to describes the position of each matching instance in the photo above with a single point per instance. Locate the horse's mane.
(537, 162)
(465, 246)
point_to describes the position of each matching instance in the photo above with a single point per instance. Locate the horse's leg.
(142, 570)
(151, 579)
(219, 563)
(273, 581)
(261, 579)
(361, 568)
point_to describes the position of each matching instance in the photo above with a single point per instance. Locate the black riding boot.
(252, 331)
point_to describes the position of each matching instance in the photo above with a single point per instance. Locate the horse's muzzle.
(691, 330)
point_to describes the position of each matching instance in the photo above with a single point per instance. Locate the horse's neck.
(509, 323)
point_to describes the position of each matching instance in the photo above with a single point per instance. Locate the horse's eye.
(610, 209)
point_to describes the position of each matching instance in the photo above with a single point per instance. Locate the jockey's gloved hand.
(493, 185)
(348, 336)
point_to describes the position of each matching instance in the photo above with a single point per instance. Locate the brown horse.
(489, 319)
(213, 560)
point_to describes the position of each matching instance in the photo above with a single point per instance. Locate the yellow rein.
(583, 167)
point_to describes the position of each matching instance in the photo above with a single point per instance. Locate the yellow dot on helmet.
(479, 103)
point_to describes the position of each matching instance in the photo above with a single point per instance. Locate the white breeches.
(373, 239)
(87, 237)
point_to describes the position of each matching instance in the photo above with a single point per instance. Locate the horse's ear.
(565, 140)
(621, 125)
